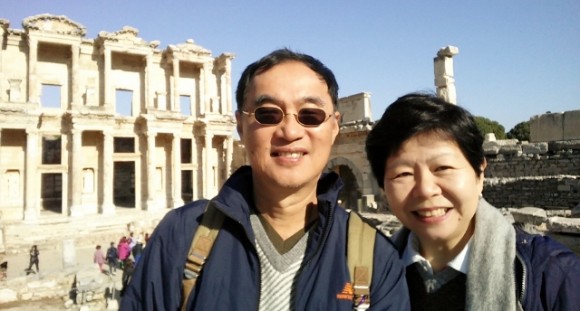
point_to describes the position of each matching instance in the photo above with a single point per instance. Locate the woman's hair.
(418, 113)
(280, 56)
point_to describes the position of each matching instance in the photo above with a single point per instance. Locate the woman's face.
(433, 190)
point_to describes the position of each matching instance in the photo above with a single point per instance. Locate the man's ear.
(239, 127)
(336, 127)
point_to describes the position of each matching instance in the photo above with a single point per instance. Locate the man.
(282, 245)
(112, 257)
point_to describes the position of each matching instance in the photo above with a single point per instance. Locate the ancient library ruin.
(93, 125)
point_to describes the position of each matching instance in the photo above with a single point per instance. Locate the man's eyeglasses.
(307, 117)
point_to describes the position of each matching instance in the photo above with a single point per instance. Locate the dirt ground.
(39, 305)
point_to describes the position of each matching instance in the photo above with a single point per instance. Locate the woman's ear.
(483, 166)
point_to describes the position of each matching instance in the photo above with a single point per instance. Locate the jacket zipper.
(524, 272)
(255, 253)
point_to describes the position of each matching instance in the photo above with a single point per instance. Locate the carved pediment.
(189, 47)
(127, 35)
(53, 24)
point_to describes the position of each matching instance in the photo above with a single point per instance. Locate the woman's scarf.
(491, 279)
(491, 275)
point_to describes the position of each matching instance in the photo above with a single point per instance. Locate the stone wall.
(555, 126)
(545, 175)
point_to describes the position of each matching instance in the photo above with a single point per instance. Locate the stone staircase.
(50, 230)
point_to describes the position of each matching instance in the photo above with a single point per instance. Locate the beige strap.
(201, 245)
(360, 250)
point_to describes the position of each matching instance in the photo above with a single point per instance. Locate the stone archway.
(352, 180)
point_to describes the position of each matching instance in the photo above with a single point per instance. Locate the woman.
(99, 258)
(461, 253)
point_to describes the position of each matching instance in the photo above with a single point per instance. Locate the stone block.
(529, 215)
(535, 148)
(8, 295)
(490, 148)
(576, 211)
(511, 149)
(564, 225)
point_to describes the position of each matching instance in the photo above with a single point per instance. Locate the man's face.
(288, 154)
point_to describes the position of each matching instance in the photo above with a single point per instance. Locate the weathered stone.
(532, 215)
(564, 225)
(575, 211)
(535, 148)
(8, 295)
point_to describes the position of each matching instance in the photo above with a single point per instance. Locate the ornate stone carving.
(53, 24)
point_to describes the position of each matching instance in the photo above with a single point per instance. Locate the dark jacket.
(550, 277)
(547, 273)
(230, 279)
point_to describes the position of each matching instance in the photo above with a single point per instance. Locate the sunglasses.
(307, 117)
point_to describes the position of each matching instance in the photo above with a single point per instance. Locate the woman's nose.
(426, 185)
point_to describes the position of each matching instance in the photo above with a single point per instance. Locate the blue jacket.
(230, 279)
(550, 278)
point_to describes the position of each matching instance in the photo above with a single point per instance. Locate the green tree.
(520, 132)
(486, 125)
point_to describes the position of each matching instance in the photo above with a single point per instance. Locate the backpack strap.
(360, 250)
(201, 245)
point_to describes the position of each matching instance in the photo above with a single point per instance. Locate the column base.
(76, 211)
(108, 209)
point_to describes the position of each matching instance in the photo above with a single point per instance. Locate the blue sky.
(517, 58)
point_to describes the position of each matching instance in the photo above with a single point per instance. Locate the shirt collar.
(411, 255)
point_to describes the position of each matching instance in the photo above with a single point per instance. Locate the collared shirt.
(434, 281)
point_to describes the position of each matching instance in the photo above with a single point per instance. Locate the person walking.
(99, 258)
(112, 258)
(33, 259)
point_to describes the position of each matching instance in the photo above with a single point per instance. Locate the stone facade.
(91, 126)
(348, 158)
(555, 126)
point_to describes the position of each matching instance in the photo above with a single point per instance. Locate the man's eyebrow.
(314, 100)
(265, 99)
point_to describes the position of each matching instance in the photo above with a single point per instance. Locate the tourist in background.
(282, 245)
(127, 273)
(136, 251)
(112, 258)
(33, 259)
(461, 252)
(99, 258)
(123, 249)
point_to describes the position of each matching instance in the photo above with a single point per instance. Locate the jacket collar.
(235, 199)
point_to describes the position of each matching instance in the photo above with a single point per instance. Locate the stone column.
(207, 170)
(444, 80)
(149, 100)
(76, 92)
(151, 178)
(202, 90)
(194, 157)
(177, 200)
(76, 173)
(32, 180)
(108, 207)
(107, 91)
(33, 94)
(175, 98)
(229, 155)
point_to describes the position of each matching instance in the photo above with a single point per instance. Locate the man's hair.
(280, 56)
(418, 113)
